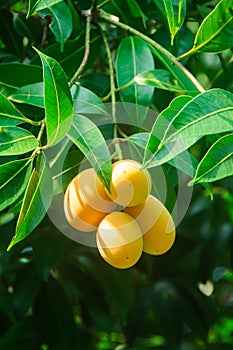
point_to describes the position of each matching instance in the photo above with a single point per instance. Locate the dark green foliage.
(82, 83)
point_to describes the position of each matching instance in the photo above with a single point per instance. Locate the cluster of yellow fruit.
(127, 220)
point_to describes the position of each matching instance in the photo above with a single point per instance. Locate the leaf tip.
(191, 183)
(12, 243)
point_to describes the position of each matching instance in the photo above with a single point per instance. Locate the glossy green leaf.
(86, 101)
(15, 140)
(184, 161)
(14, 178)
(32, 94)
(15, 75)
(216, 31)
(36, 201)
(36, 5)
(88, 138)
(179, 74)
(71, 57)
(217, 163)
(57, 100)
(61, 24)
(9, 114)
(174, 12)
(158, 78)
(172, 133)
(130, 62)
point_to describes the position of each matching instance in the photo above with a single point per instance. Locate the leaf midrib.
(213, 167)
(20, 222)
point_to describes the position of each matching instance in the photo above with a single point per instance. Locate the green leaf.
(217, 163)
(88, 138)
(174, 12)
(158, 78)
(15, 75)
(216, 31)
(178, 74)
(61, 24)
(36, 201)
(36, 5)
(71, 57)
(86, 101)
(174, 132)
(14, 177)
(9, 114)
(57, 100)
(184, 161)
(15, 140)
(32, 94)
(130, 62)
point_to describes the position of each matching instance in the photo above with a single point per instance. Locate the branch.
(112, 92)
(113, 20)
(86, 53)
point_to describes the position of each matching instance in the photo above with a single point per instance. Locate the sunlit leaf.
(216, 31)
(184, 161)
(174, 12)
(14, 178)
(217, 163)
(32, 94)
(88, 138)
(9, 114)
(61, 24)
(158, 78)
(36, 201)
(36, 5)
(15, 140)
(57, 100)
(172, 133)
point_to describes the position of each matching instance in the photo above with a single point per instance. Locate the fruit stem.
(113, 94)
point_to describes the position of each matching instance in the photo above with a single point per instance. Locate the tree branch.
(86, 53)
(111, 19)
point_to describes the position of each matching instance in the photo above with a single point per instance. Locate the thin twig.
(104, 3)
(40, 134)
(86, 53)
(113, 95)
(111, 19)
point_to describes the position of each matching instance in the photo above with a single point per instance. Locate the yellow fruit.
(156, 224)
(129, 185)
(86, 202)
(119, 240)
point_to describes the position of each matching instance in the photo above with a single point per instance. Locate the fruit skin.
(129, 185)
(157, 225)
(119, 240)
(86, 202)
